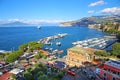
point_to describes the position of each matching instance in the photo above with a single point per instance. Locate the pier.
(47, 40)
(98, 43)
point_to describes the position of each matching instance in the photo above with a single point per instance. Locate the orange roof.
(96, 62)
(5, 76)
(43, 52)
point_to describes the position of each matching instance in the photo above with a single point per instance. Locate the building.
(109, 70)
(77, 55)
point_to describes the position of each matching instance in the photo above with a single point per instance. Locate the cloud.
(41, 21)
(91, 11)
(100, 2)
(113, 10)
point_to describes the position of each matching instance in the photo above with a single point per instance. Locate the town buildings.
(109, 70)
(77, 55)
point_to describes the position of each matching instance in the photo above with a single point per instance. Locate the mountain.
(13, 24)
(18, 23)
(92, 20)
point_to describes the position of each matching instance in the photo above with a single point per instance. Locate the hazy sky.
(56, 9)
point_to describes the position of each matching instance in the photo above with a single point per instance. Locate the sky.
(55, 10)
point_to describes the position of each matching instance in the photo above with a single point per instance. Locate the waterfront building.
(42, 52)
(77, 55)
(109, 70)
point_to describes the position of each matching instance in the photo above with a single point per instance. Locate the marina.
(98, 43)
(47, 40)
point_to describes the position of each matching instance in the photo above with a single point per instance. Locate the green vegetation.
(102, 53)
(40, 55)
(29, 47)
(13, 77)
(114, 53)
(116, 50)
(1, 56)
(13, 56)
(110, 27)
(42, 72)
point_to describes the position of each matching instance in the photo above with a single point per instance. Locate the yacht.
(58, 43)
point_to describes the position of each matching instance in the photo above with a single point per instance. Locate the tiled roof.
(5, 76)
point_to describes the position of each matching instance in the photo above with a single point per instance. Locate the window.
(104, 76)
(72, 59)
(118, 73)
(109, 70)
(113, 78)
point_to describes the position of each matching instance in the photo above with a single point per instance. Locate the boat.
(48, 43)
(58, 43)
(60, 51)
(51, 49)
(38, 27)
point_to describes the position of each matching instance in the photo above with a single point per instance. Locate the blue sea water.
(12, 37)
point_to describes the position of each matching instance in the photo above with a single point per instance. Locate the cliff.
(92, 20)
(107, 27)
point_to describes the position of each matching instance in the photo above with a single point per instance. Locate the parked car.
(71, 72)
(1, 66)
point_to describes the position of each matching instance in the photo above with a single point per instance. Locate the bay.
(13, 37)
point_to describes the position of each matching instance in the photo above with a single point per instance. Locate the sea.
(12, 37)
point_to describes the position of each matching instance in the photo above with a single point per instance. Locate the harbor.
(47, 40)
(52, 40)
(97, 43)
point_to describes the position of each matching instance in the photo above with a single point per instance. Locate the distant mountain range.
(20, 24)
(12, 24)
(92, 20)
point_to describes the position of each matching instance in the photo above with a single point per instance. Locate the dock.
(98, 43)
(47, 40)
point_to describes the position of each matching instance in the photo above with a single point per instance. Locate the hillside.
(92, 20)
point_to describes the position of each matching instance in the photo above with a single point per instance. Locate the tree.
(102, 53)
(116, 49)
(11, 57)
(42, 77)
(1, 56)
(13, 77)
(28, 76)
(23, 47)
(32, 43)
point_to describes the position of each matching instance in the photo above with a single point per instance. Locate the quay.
(47, 40)
(99, 43)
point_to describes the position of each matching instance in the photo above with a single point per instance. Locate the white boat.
(58, 43)
(51, 49)
(38, 27)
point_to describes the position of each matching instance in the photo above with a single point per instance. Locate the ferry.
(38, 27)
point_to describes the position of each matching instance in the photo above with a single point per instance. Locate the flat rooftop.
(78, 49)
(114, 63)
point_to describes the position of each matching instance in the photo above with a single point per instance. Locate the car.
(1, 66)
(71, 72)
(25, 65)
